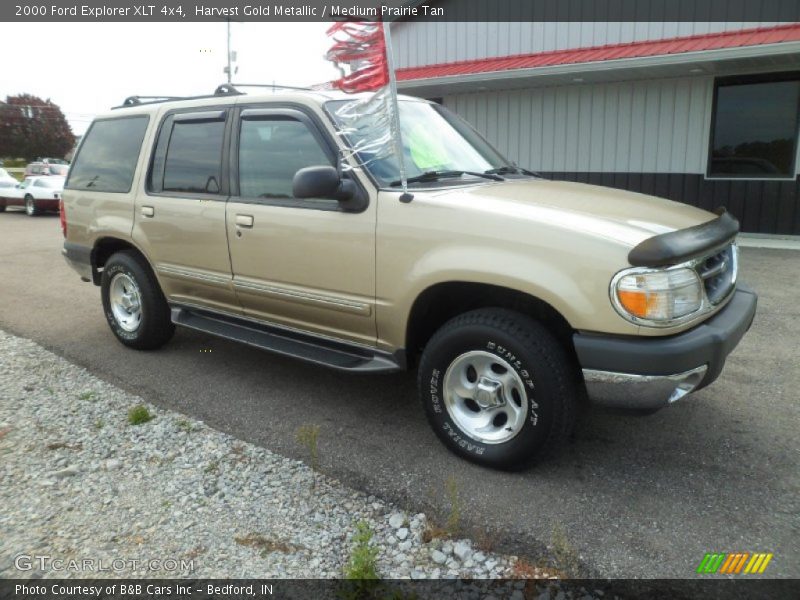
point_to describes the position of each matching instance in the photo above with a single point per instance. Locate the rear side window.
(188, 154)
(106, 161)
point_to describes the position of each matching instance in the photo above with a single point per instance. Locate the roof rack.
(274, 86)
(226, 89)
(135, 100)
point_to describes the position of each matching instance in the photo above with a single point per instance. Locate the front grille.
(718, 273)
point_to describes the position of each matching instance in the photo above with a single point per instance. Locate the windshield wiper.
(437, 175)
(511, 169)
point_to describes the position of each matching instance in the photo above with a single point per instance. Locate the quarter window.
(107, 157)
(271, 151)
(754, 133)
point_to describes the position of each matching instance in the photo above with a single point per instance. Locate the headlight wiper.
(437, 175)
(511, 169)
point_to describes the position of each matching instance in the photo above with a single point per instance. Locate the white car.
(6, 180)
(36, 194)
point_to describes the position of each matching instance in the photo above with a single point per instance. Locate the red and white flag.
(362, 52)
(359, 52)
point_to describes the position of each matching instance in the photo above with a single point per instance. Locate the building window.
(754, 127)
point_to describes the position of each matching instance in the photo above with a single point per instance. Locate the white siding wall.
(650, 126)
(426, 43)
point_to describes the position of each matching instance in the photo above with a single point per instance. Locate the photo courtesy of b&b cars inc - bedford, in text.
(457, 299)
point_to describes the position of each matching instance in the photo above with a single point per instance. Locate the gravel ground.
(81, 482)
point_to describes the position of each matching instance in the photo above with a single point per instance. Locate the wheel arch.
(107, 246)
(440, 302)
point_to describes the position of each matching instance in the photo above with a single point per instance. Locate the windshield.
(434, 139)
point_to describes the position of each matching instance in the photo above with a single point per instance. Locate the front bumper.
(648, 373)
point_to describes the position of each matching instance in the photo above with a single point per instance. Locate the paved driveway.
(631, 496)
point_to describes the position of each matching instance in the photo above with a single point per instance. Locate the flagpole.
(394, 109)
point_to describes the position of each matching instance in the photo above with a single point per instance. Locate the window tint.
(107, 157)
(755, 129)
(194, 157)
(271, 152)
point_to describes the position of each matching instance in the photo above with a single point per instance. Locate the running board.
(317, 350)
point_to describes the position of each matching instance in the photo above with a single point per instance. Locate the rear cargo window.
(106, 161)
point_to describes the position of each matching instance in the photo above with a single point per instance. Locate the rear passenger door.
(180, 219)
(303, 263)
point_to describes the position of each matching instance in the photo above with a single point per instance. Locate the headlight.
(657, 296)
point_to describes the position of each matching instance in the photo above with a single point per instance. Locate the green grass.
(363, 562)
(308, 436)
(139, 415)
(87, 396)
(185, 425)
(453, 523)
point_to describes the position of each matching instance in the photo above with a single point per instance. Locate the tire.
(133, 303)
(515, 383)
(30, 206)
(2, 207)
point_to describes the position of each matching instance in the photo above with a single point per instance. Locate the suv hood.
(620, 215)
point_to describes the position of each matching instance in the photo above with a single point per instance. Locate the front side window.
(106, 161)
(194, 157)
(271, 151)
(754, 131)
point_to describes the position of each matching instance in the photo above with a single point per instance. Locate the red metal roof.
(678, 45)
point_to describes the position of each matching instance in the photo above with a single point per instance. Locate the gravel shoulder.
(172, 497)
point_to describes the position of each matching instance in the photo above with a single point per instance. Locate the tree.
(31, 127)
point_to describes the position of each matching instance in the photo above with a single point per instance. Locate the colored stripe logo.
(734, 563)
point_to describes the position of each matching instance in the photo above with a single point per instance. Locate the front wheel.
(135, 307)
(497, 389)
(30, 206)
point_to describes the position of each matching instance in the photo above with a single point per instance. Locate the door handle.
(244, 221)
(148, 211)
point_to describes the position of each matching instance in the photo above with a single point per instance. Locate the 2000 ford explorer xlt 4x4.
(252, 218)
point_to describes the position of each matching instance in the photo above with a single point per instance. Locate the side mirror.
(322, 182)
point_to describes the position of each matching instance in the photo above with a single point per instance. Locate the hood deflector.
(684, 244)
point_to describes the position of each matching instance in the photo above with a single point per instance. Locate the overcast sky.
(86, 68)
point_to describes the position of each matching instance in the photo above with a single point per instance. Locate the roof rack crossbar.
(276, 86)
(134, 100)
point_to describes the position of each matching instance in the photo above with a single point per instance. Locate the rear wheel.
(496, 388)
(30, 206)
(2, 207)
(135, 307)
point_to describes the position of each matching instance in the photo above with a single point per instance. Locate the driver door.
(301, 263)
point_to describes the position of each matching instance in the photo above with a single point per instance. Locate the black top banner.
(759, 11)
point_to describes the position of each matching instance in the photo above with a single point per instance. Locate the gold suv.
(266, 219)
